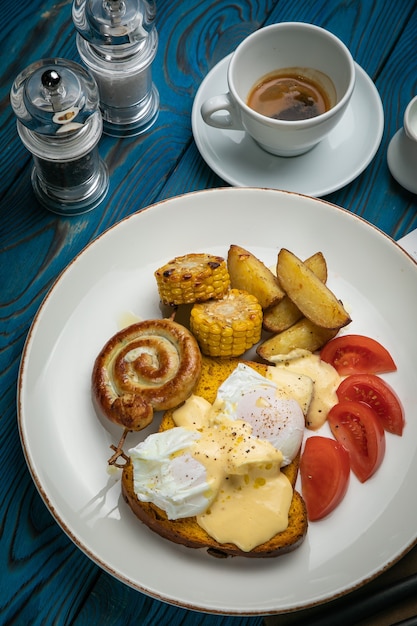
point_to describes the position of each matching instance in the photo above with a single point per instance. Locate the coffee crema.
(292, 94)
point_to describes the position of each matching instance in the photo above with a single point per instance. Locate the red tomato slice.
(356, 426)
(357, 354)
(377, 394)
(324, 472)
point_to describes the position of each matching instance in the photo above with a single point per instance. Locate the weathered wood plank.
(45, 579)
(375, 194)
(371, 32)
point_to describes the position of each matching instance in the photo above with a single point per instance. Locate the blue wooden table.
(44, 578)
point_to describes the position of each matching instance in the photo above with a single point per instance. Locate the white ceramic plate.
(67, 446)
(331, 165)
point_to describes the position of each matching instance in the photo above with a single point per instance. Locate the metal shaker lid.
(124, 23)
(54, 96)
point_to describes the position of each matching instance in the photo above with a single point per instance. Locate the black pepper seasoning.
(58, 120)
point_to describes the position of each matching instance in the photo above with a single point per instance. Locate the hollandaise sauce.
(325, 383)
(221, 463)
(253, 496)
(250, 509)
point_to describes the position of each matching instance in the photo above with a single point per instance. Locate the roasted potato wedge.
(304, 335)
(250, 274)
(283, 314)
(280, 316)
(314, 299)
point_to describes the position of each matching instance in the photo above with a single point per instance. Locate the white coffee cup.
(284, 45)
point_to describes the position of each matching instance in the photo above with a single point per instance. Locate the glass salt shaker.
(56, 103)
(117, 41)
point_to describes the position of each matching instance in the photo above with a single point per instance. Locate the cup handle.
(221, 112)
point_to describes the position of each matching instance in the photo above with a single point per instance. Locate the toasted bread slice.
(187, 531)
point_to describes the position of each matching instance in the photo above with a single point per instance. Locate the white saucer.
(402, 159)
(334, 163)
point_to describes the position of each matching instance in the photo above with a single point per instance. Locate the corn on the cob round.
(192, 278)
(227, 327)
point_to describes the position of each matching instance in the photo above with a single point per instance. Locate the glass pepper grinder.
(56, 103)
(117, 41)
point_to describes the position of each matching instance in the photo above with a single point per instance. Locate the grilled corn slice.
(227, 327)
(192, 278)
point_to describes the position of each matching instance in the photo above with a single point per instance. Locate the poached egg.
(223, 461)
(249, 396)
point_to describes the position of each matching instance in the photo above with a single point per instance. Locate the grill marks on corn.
(192, 278)
(226, 322)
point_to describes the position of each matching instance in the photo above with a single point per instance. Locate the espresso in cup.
(324, 60)
(292, 94)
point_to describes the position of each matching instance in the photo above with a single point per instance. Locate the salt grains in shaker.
(117, 41)
(56, 103)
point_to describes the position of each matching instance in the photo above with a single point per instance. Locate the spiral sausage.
(151, 365)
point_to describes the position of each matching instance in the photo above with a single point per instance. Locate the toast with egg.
(187, 531)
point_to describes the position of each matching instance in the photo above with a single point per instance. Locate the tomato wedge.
(324, 472)
(356, 426)
(357, 354)
(377, 394)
